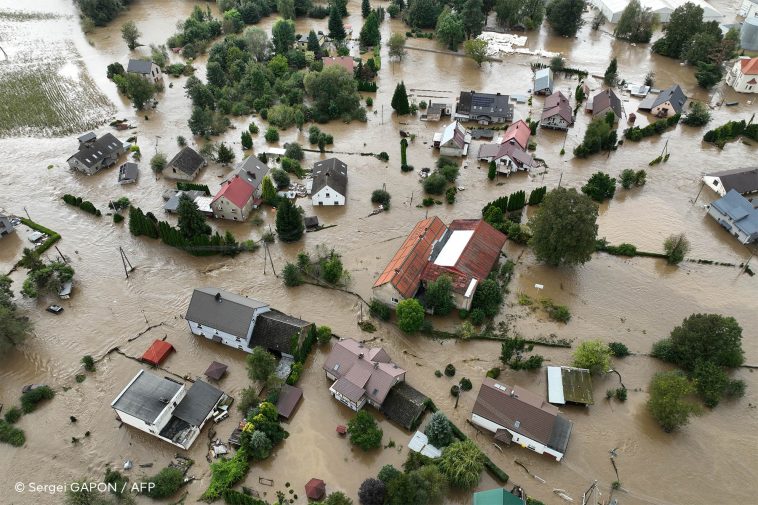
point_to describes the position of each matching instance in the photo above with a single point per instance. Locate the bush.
(118, 218)
(438, 430)
(364, 431)
(410, 315)
(618, 349)
(621, 394)
(388, 473)
(89, 363)
(493, 373)
(477, 317)
(294, 151)
(455, 390)
(324, 334)
(166, 483)
(450, 194)
(466, 384)
(676, 247)
(11, 435)
(558, 313)
(30, 399)
(668, 404)
(380, 309)
(462, 463)
(272, 134)
(224, 474)
(437, 373)
(450, 370)
(593, 355)
(12, 415)
(435, 184)
(381, 197)
(488, 297)
(248, 399)
(600, 186)
(291, 275)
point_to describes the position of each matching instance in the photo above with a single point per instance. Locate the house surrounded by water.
(146, 69)
(737, 216)
(6, 226)
(95, 153)
(484, 108)
(329, 182)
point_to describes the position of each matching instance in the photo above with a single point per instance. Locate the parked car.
(55, 309)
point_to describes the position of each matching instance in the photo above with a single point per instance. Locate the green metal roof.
(496, 497)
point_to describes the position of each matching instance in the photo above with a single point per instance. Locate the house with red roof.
(743, 76)
(345, 62)
(234, 200)
(517, 133)
(510, 154)
(466, 251)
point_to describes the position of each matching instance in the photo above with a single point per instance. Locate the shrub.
(593, 355)
(455, 390)
(410, 315)
(676, 247)
(11, 435)
(435, 184)
(450, 370)
(30, 399)
(488, 297)
(450, 194)
(462, 463)
(600, 186)
(294, 151)
(323, 334)
(12, 415)
(166, 483)
(89, 363)
(466, 384)
(437, 373)
(388, 473)
(248, 399)
(477, 317)
(558, 313)
(272, 134)
(291, 275)
(438, 430)
(493, 373)
(382, 197)
(364, 431)
(372, 492)
(118, 218)
(621, 394)
(380, 309)
(618, 349)
(224, 474)
(668, 404)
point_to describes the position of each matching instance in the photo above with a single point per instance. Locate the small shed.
(157, 352)
(289, 398)
(215, 370)
(311, 222)
(315, 489)
(420, 443)
(569, 385)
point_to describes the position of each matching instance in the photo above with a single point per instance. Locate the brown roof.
(558, 104)
(345, 62)
(289, 397)
(521, 411)
(405, 268)
(749, 66)
(519, 132)
(315, 489)
(605, 99)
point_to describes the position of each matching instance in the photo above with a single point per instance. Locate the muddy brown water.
(635, 301)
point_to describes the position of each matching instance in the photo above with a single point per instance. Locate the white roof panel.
(555, 385)
(452, 250)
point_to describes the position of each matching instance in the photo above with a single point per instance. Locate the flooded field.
(635, 301)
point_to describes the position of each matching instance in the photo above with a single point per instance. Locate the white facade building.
(743, 76)
(329, 182)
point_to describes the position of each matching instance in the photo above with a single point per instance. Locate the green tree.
(462, 463)
(286, 8)
(684, 22)
(600, 136)
(158, 162)
(268, 191)
(191, 221)
(488, 297)
(676, 247)
(260, 364)
(382, 197)
(705, 338)
(564, 228)
(492, 171)
(439, 295)
(600, 186)
(476, 49)
(334, 92)
(224, 154)
(289, 222)
(336, 28)
(423, 13)
(698, 115)
(130, 34)
(338, 498)
(396, 45)
(435, 184)
(668, 402)
(372, 492)
(370, 35)
(232, 22)
(283, 35)
(473, 18)
(594, 355)
(364, 431)
(565, 16)
(139, 90)
(246, 140)
(165, 483)
(636, 23)
(313, 44)
(450, 29)
(410, 315)
(365, 8)
(611, 73)
(439, 431)
(708, 74)
(258, 446)
(400, 100)
(13, 326)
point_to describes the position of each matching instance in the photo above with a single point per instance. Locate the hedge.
(635, 133)
(191, 186)
(52, 237)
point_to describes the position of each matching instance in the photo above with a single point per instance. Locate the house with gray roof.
(737, 216)
(6, 225)
(453, 140)
(94, 155)
(516, 415)
(435, 111)
(557, 113)
(668, 102)
(543, 82)
(329, 182)
(166, 408)
(172, 204)
(185, 164)
(484, 108)
(146, 69)
(243, 323)
(251, 170)
(743, 180)
(604, 102)
(128, 173)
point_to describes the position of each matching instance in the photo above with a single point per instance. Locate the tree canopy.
(594, 355)
(439, 431)
(600, 186)
(422, 13)
(400, 99)
(636, 23)
(439, 295)
(13, 326)
(462, 463)
(668, 403)
(370, 36)
(706, 338)
(450, 29)
(410, 315)
(335, 94)
(289, 221)
(364, 431)
(565, 16)
(260, 364)
(518, 13)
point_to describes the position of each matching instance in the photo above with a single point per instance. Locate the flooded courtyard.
(635, 301)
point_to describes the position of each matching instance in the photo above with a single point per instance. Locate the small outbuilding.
(315, 489)
(543, 82)
(420, 443)
(289, 399)
(157, 352)
(128, 173)
(567, 384)
(215, 370)
(498, 496)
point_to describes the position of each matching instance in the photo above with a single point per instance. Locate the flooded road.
(635, 301)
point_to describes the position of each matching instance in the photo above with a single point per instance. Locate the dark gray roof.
(404, 405)
(87, 137)
(674, 95)
(311, 221)
(603, 100)
(139, 66)
(742, 180)
(274, 330)
(251, 169)
(230, 313)
(198, 403)
(559, 438)
(101, 148)
(484, 104)
(5, 223)
(146, 396)
(187, 160)
(331, 172)
(128, 172)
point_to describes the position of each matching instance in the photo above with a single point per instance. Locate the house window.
(395, 300)
(327, 195)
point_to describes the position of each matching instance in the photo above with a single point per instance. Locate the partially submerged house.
(516, 415)
(567, 384)
(604, 102)
(466, 251)
(668, 102)
(361, 374)
(329, 182)
(6, 225)
(743, 76)
(172, 204)
(517, 133)
(243, 323)
(543, 82)
(436, 111)
(166, 408)
(345, 62)
(96, 154)
(557, 113)
(737, 216)
(146, 69)
(453, 140)
(743, 180)
(510, 154)
(234, 201)
(252, 170)
(185, 164)
(404, 405)
(128, 173)
(484, 108)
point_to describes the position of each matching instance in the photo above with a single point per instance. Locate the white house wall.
(714, 183)
(227, 338)
(723, 219)
(328, 196)
(386, 293)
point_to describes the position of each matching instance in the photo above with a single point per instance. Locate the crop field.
(45, 89)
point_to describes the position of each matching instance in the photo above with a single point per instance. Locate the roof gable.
(558, 104)
(749, 66)
(251, 169)
(223, 311)
(238, 191)
(187, 160)
(518, 132)
(673, 95)
(330, 172)
(742, 180)
(101, 148)
(605, 99)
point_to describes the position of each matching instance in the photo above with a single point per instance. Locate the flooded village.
(180, 337)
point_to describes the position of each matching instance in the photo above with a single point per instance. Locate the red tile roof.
(405, 268)
(237, 191)
(157, 352)
(345, 62)
(518, 131)
(749, 66)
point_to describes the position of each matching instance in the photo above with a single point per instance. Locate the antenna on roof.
(218, 297)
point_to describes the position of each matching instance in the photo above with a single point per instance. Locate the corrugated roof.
(146, 396)
(405, 269)
(230, 313)
(198, 403)
(569, 384)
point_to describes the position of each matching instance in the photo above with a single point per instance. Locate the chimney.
(376, 366)
(360, 356)
(218, 297)
(517, 424)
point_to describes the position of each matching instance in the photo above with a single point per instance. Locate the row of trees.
(13, 325)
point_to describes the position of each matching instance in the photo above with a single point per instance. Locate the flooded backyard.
(635, 301)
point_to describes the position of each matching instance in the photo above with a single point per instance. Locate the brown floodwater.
(635, 301)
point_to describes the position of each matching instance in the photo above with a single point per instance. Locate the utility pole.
(560, 179)
(60, 254)
(124, 261)
(698, 193)
(27, 214)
